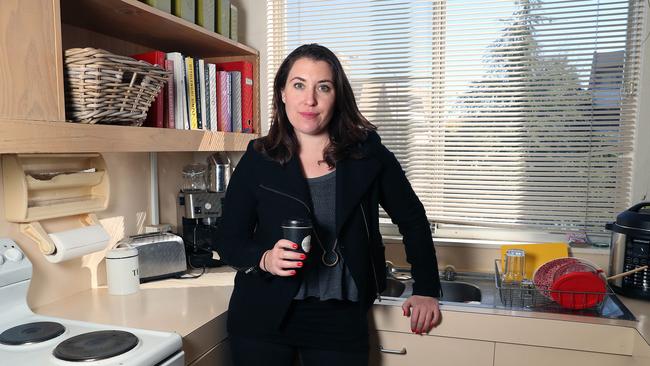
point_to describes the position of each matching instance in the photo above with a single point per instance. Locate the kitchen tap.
(449, 273)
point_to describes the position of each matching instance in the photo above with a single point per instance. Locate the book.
(155, 115)
(206, 14)
(184, 9)
(170, 101)
(212, 68)
(181, 119)
(224, 117)
(235, 100)
(246, 69)
(164, 5)
(206, 99)
(191, 93)
(223, 17)
(200, 92)
(234, 22)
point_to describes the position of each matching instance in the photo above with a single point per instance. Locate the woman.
(322, 161)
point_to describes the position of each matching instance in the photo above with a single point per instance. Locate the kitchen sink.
(394, 288)
(460, 292)
(452, 291)
(479, 290)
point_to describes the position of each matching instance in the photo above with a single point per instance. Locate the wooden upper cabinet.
(31, 69)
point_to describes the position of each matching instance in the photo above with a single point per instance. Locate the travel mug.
(299, 232)
(122, 271)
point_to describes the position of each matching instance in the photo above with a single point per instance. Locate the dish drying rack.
(526, 295)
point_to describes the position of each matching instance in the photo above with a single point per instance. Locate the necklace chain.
(325, 252)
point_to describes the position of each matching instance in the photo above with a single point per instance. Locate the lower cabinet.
(402, 349)
(517, 355)
(219, 355)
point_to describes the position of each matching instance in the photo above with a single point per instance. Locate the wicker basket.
(102, 87)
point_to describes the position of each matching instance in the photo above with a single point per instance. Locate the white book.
(181, 118)
(235, 97)
(212, 71)
(202, 91)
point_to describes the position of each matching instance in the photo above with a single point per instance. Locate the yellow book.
(191, 93)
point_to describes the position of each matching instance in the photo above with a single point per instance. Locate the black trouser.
(250, 351)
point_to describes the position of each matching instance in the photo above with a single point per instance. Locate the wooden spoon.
(626, 273)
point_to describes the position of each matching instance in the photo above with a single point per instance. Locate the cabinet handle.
(393, 351)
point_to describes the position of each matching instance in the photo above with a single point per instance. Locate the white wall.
(252, 32)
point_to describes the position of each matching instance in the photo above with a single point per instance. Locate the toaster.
(160, 255)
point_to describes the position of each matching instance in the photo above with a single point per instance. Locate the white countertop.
(183, 306)
(173, 305)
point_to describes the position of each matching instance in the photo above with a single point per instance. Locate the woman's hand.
(282, 260)
(424, 312)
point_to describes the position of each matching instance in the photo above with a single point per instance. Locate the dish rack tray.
(527, 295)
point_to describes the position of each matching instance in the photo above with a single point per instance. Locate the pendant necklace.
(330, 257)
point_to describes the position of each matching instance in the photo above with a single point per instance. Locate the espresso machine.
(200, 203)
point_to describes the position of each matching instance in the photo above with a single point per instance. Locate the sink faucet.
(397, 273)
(449, 273)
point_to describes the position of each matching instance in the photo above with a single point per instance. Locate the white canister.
(122, 271)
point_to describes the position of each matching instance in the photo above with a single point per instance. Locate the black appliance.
(629, 249)
(201, 214)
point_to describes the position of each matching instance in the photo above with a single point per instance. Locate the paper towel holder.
(36, 232)
(61, 246)
(47, 186)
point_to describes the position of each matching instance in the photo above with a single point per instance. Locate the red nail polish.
(302, 256)
(299, 264)
(293, 273)
(295, 246)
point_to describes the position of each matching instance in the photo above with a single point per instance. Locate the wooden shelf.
(24, 136)
(32, 106)
(148, 26)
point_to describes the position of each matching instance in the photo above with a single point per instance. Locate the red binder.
(246, 69)
(155, 116)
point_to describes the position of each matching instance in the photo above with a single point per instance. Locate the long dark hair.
(347, 129)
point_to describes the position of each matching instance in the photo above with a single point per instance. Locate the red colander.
(578, 285)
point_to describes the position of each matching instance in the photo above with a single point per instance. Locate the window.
(516, 115)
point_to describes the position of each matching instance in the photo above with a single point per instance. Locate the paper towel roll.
(78, 242)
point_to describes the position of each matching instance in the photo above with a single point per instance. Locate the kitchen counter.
(196, 309)
(641, 310)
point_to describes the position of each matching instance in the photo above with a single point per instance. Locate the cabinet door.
(401, 349)
(517, 355)
(218, 355)
(31, 61)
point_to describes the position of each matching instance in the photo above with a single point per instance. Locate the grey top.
(321, 281)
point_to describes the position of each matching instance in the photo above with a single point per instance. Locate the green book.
(205, 14)
(184, 9)
(223, 17)
(164, 5)
(234, 15)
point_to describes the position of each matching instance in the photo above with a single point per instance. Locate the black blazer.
(262, 193)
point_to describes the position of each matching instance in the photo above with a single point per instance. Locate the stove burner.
(31, 333)
(95, 346)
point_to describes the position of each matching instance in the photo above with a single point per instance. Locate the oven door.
(177, 359)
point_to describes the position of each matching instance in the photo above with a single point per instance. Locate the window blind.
(517, 114)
